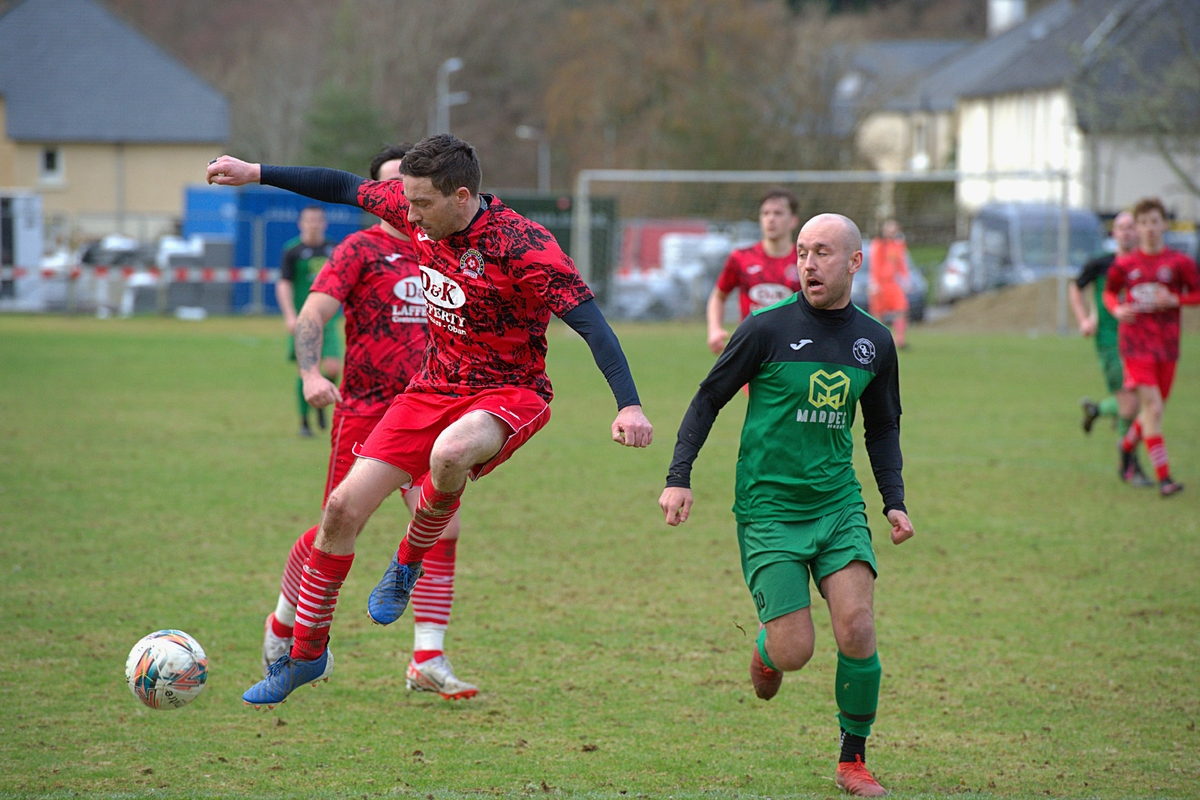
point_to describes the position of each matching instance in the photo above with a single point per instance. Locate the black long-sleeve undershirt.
(319, 183)
(747, 351)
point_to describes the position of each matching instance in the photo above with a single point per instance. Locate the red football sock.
(432, 599)
(290, 587)
(1158, 456)
(434, 511)
(323, 577)
(1132, 436)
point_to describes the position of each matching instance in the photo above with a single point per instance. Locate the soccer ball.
(166, 669)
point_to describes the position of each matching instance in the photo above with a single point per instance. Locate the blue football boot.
(389, 599)
(286, 674)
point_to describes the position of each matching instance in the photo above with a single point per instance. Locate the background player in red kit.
(491, 280)
(1144, 290)
(763, 273)
(374, 275)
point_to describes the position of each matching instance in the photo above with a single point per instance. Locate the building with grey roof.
(99, 120)
(1111, 95)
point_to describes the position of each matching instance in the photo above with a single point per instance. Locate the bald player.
(809, 360)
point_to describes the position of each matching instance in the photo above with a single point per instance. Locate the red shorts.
(345, 434)
(405, 436)
(1149, 372)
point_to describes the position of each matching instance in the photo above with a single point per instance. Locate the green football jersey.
(1094, 273)
(808, 371)
(300, 265)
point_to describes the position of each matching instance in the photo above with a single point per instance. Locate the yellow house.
(107, 127)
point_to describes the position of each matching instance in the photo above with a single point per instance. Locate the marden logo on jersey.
(826, 390)
(412, 298)
(768, 294)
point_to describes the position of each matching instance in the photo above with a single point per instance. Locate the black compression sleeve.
(739, 362)
(586, 320)
(880, 403)
(328, 185)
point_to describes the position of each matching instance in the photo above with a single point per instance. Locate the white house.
(1106, 96)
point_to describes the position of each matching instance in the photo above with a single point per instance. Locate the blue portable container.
(259, 220)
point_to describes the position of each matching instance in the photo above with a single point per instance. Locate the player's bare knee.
(792, 654)
(856, 634)
(342, 518)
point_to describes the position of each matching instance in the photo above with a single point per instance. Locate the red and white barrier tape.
(176, 275)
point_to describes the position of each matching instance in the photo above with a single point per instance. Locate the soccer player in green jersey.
(1122, 403)
(809, 361)
(302, 259)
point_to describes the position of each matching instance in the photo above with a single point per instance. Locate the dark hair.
(1148, 204)
(782, 194)
(391, 152)
(447, 161)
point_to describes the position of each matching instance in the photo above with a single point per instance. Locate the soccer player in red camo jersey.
(491, 280)
(764, 273)
(1144, 291)
(374, 275)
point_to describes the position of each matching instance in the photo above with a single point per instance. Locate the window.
(50, 165)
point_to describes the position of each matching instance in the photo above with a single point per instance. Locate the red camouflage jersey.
(489, 291)
(375, 277)
(1139, 275)
(762, 280)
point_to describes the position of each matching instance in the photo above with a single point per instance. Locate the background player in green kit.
(1122, 403)
(809, 361)
(302, 259)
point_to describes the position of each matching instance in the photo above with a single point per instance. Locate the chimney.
(1004, 14)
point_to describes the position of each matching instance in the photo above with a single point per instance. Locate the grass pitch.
(1039, 637)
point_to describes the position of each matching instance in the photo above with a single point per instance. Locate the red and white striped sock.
(434, 510)
(1158, 456)
(284, 617)
(432, 598)
(1132, 436)
(322, 580)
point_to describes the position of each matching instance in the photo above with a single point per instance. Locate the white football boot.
(273, 646)
(436, 675)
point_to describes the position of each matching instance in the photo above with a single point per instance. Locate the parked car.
(954, 275)
(1014, 243)
(918, 287)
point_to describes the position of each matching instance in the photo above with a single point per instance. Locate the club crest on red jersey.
(1165, 274)
(471, 263)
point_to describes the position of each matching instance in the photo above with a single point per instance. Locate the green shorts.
(1110, 363)
(331, 342)
(778, 557)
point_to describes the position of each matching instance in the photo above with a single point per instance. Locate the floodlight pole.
(445, 97)
(530, 132)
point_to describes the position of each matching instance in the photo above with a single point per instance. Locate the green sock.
(857, 692)
(1123, 425)
(762, 650)
(1108, 407)
(300, 397)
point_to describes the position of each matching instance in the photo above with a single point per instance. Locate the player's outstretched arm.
(630, 428)
(902, 528)
(676, 504)
(318, 309)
